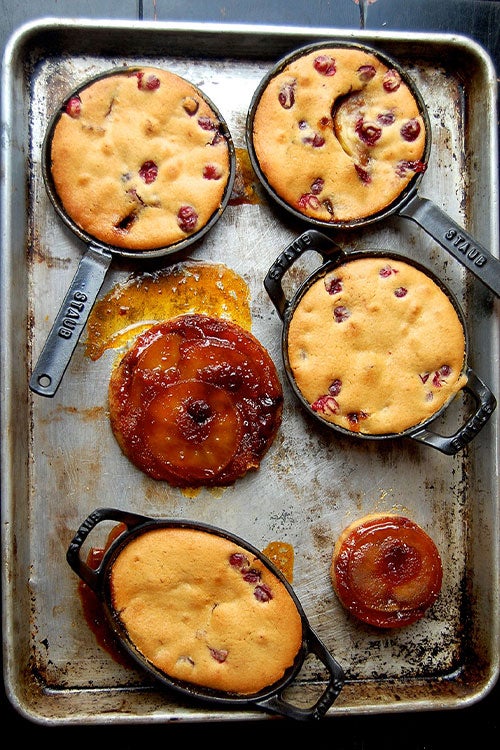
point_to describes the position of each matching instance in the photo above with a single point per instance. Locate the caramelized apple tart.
(386, 570)
(196, 401)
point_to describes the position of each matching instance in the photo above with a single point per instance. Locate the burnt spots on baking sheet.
(219, 654)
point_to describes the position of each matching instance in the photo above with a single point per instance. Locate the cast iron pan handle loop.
(309, 240)
(455, 240)
(91, 576)
(486, 406)
(277, 704)
(70, 321)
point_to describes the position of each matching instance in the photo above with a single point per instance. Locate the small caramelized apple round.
(386, 570)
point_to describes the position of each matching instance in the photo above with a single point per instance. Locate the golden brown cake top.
(338, 134)
(139, 159)
(376, 347)
(204, 610)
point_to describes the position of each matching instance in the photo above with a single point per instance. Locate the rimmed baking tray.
(59, 458)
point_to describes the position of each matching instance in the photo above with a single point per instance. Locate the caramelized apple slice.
(192, 428)
(386, 570)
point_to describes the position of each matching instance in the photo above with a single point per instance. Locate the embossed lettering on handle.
(70, 321)
(455, 240)
(309, 240)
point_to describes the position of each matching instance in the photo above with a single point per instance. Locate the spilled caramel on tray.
(147, 298)
(246, 181)
(92, 607)
(282, 555)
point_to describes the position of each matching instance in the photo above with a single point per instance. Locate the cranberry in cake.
(386, 570)
(196, 401)
(337, 134)
(376, 347)
(204, 610)
(140, 160)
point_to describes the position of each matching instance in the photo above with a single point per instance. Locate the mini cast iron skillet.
(89, 277)
(333, 256)
(270, 699)
(409, 204)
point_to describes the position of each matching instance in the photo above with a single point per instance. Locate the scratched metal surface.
(60, 460)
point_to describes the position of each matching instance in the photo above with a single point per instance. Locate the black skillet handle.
(486, 404)
(92, 576)
(309, 240)
(70, 321)
(277, 704)
(455, 240)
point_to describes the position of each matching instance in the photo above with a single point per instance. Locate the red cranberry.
(251, 575)
(315, 140)
(206, 123)
(424, 376)
(392, 80)
(150, 83)
(325, 405)
(341, 313)
(73, 107)
(308, 200)
(286, 96)
(148, 172)
(368, 132)
(404, 166)
(410, 130)
(366, 72)
(262, 593)
(386, 271)
(333, 285)
(212, 172)
(443, 372)
(335, 386)
(317, 186)
(363, 175)
(187, 218)
(386, 118)
(401, 291)
(238, 560)
(325, 65)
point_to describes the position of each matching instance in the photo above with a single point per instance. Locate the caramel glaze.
(196, 401)
(386, 570)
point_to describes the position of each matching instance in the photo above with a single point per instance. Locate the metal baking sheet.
(60, 460)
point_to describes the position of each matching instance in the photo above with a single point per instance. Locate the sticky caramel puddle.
(136, 304)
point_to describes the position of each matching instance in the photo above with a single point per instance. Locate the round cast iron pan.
(409, 204)
(89, 277)
(270, 699)
(333, 256)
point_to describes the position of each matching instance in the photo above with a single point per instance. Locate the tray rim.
(22, 36)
